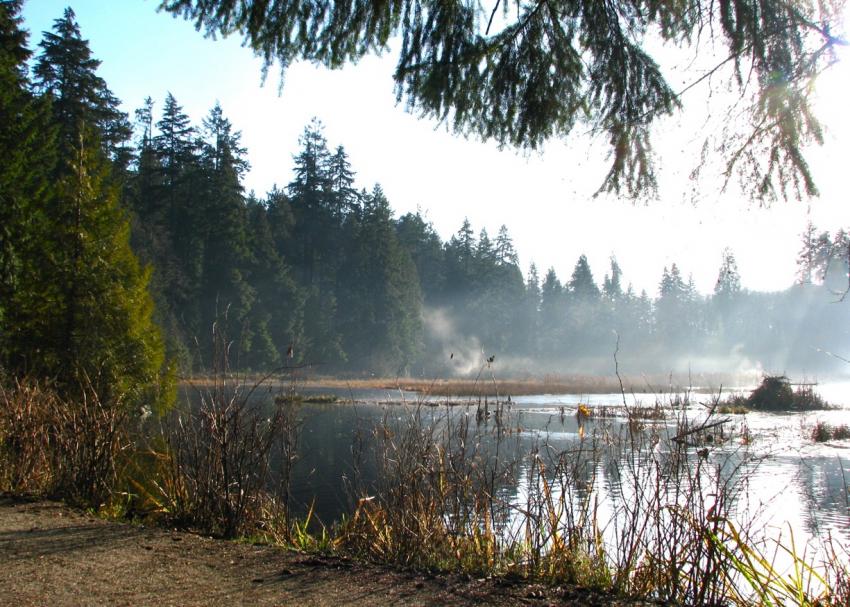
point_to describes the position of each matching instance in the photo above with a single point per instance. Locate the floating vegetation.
(313, 399)
(734, 405)
(775, 393)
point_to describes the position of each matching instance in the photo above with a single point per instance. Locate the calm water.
(792, 482)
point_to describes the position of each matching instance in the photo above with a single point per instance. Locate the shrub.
(775, 394)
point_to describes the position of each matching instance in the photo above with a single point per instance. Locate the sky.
(544, 197)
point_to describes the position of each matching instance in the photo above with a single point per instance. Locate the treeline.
(319, 271)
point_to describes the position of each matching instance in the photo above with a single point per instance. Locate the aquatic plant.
(775, 394)
(822, 432)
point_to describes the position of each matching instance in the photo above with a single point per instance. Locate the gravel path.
(53, 555)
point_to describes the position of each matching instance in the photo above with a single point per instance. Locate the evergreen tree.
(425, 248)
(88, 317)
(529, 323)
(807, 254)
(549, 66)
(582, 286)
(66, 71)
(380, 300)
(460, 261)
(612, 288)
(585, 318)
(552, 314)
(27, 151)
(318, 226)
(672, 308)
(727, 296)
(224, 294)
(343, 198)
(728, 284)
(505, 252)
(277, 316)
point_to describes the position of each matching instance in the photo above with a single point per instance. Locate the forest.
(130, 244)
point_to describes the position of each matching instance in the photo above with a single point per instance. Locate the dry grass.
(637, 508)
(487, 384)
(58, 448)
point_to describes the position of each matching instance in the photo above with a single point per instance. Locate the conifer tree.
(276, 319)
(381, 298)
(88, 314)
(552, 314)
(311, 204)
(505, 252)
(66, 70)
(27, 150)
(612, 288)
(582, 286)
(540, 69)
(84, 313)
(530, 313)
(423, 244)
(224, 296)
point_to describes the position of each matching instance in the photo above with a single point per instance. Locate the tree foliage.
(524, 71)
(319, 272)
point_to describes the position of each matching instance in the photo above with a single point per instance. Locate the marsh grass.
(72, 450)
(625, 509)
(294, 398)
(645, 503)
(480, 384)
(823, 432)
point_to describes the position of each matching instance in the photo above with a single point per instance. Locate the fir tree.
(66, 71)
(544, 67)
(505, 252)
(88, 316)
(28, 156)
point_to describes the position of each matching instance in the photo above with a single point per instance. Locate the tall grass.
(638, 507)
(73, 450)
(217, 473)
(636, 504)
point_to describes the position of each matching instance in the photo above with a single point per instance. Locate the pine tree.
(318, 226)
(224, 295)
(806, 256)
(612, 288)
(552, 314)
(381, 301)
(84, 313)
(728, 284)
(460, 261)
(582, 286)
(277, 316)
(423, 244)
(505, 252)
(343, 198)
(529, 323)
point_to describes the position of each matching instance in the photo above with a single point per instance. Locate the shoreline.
(492, 386)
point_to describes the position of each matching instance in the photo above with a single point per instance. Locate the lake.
(783, 480)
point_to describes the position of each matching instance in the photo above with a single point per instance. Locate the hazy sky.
(545, 198)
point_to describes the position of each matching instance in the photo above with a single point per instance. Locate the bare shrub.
(220, 477)
(228, 455)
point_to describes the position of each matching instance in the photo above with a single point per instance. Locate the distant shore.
(490, 385)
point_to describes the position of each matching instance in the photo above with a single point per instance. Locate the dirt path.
(53, 555)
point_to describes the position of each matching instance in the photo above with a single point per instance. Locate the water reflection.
(786, 479)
